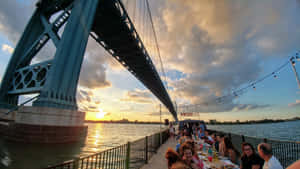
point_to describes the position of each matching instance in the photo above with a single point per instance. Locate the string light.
(297, 57)
(274, 75)
(235, 95)
(291, 60)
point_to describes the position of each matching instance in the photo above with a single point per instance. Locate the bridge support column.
(46, 125)
(60, 88)
(33, 30)
(54, 116)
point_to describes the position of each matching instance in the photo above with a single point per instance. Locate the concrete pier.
(45, 125)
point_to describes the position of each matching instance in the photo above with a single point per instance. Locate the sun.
(100, 114)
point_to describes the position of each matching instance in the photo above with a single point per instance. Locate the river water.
(104, 136)
(99, 137)
(289, 131)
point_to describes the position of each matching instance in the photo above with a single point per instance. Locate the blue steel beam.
(61, 84)
(114, 30)
(33, 31)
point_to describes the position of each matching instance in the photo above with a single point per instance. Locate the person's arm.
(255, 166)
(221, 149)
(194, 166)
(295, 165)
(232, 155)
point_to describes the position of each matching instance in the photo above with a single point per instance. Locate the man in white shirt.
(265, 152)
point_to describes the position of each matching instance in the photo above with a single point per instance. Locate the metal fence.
(132, 155)
(286, 152)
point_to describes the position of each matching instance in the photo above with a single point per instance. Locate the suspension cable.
(156, 43)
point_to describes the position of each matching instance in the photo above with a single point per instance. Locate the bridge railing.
(132, 155)
(286, 152)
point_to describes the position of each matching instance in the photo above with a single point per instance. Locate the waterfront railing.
(132, 155)
(286, 152)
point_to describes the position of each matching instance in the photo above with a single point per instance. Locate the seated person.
(194, 146)
(216, 142)
(221, 149)
(187, 154)
(265, 152)
(180, 165)
(231, 151)
(208, 138)
(250, 160)
(172, 157)
(185, 137)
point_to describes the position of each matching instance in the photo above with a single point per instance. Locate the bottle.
(210, 152)
(204, 148)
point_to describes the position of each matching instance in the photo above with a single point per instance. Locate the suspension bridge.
(55, 80)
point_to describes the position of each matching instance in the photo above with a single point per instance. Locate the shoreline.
(265, 121)
(211, 122)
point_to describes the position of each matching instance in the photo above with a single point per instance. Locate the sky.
(209, 48)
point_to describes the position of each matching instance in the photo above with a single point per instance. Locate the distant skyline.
(208, 48)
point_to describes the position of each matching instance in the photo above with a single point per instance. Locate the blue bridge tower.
(53, 116)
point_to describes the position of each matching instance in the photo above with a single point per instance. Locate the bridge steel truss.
(55, 80)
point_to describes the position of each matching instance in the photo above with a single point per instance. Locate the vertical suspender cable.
(156, 42)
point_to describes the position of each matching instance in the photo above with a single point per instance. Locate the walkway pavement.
(158, 161)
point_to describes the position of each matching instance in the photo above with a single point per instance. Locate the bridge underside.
(56, 80)
(113, 29)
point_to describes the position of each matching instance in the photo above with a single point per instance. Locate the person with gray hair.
(265, 152)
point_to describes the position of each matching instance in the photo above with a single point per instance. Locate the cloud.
(297, 103)
(83, 95)
(93, 71)
(138, 96)
(217, 45)
(7, 48)
(13, 17)
(247, 107)
(107, 114)
(221, 45)
(87, 101)
(12, 24)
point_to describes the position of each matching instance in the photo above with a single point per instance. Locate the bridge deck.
(113, 29)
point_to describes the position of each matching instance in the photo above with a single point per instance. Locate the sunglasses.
(247, 149)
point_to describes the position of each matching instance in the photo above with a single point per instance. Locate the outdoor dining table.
(217, 162)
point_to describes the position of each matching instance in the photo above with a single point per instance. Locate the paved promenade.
(158, 161)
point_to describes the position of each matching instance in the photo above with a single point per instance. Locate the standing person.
(203, 126)
(172, 130)
(201, 133)
(265, 152)
(231, 151)
(250, 160)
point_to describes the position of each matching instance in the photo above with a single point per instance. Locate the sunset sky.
(208, 48)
